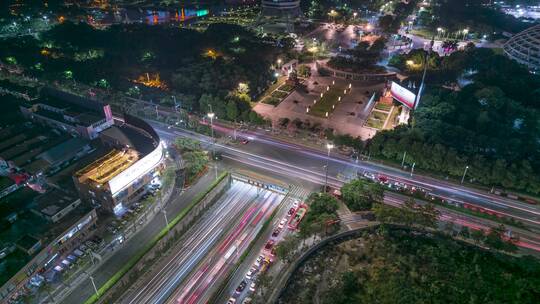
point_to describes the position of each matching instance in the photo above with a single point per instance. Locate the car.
(258, 262)
(282, 223)
(247, 301)
(269, 245)
(244, 141)
(251, 273)
(241, 287)
(291, 211)
(231, 300)
(276, 232)
(252, 286)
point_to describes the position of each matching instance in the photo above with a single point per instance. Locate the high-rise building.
(281, 8)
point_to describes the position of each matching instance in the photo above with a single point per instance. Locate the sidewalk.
(63, 289)
(136, 236)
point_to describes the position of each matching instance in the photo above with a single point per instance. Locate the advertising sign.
(403, 95)
(138, 169)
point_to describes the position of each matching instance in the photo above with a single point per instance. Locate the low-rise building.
(134, 159)
(55, 205)
(69, 113)
(46, 256)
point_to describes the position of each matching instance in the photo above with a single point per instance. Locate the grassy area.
(372, 123)
(279, 94)
(383, 106)
(135, 258)
(423, 32)
(5, 182)
(271, 100)
(286, 88)
(376, 120)
(324, 104)
(280, 81)
(392, 119)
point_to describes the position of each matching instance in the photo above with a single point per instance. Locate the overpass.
(261, 181)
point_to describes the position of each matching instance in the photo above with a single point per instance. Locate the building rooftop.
(128, 136)
(108, 166)
(53, 201)
(64, 151)
(524, 48)
(80, 115)
(27, 241)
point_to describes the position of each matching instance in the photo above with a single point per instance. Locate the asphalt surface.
(83, 291)
(231, 290)
(264, 151)
(214, 269)
(204, 254)
(296, 162)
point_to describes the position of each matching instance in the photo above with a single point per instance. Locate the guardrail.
(139, 255)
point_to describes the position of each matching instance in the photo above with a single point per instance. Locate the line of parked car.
(263, 261)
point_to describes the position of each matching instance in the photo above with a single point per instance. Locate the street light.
(279, 62)
(464, 173)
(94, 284)
(329, 147)
(166, 220)
(211, 115)
(465, 32)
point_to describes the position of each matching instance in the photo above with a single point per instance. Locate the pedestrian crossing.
(298, 193)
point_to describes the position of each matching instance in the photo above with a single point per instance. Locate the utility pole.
(464, 173)
(403, 161)
(94, 284)
(211, 115)
(166, 220)
(329, 147)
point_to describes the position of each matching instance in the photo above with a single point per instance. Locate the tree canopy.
(490, 125)
(360, 194)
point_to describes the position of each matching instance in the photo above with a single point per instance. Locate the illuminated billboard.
(403, 95)
(138, 169)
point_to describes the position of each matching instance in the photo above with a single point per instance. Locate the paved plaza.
(347, 118)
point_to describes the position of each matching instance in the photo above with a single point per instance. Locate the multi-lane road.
(275, 155)
(208, 250)
(293, 161)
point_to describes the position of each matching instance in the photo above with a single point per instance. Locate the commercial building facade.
(49, 257)
(135, 158)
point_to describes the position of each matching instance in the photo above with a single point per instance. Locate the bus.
(297, 217)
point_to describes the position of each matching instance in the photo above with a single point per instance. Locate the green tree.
(464, 232)
(195, 162)
(495, 239)
(232, 110)
(187, 144)
(285, 249)
(477, 235)
(322, 210)
(360, 195)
